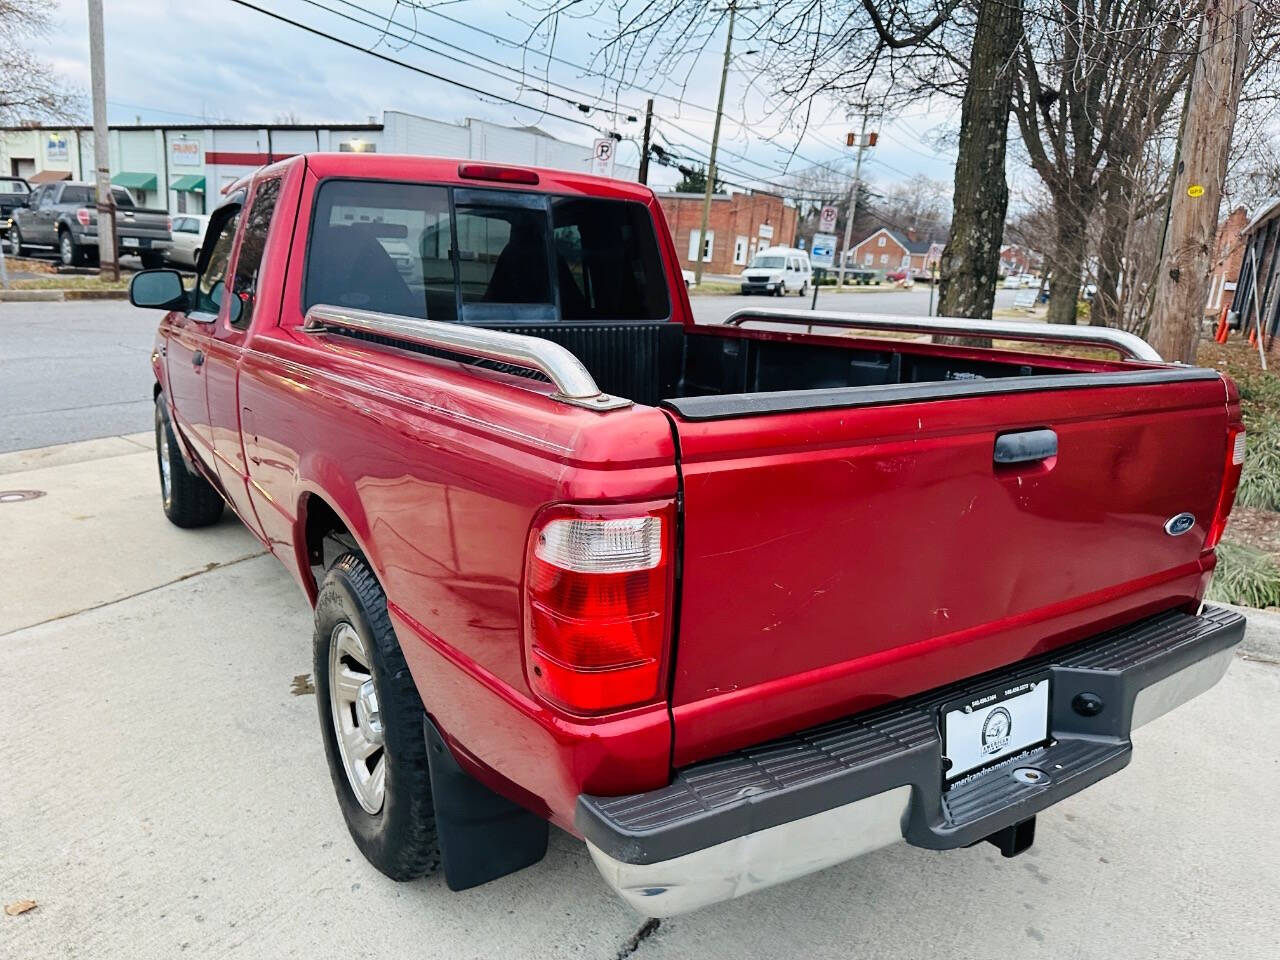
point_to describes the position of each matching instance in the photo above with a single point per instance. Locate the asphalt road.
(72, 371)
(79, 370)
(164, 792)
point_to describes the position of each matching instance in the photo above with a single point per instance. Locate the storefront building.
(183, 168)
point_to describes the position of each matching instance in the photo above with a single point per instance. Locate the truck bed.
(849, 535)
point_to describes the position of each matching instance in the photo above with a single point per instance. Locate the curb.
(58, 296)
(1261, 635)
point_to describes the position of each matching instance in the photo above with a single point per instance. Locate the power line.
(408, 66)
(521, 78)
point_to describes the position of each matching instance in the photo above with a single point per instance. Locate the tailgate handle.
(1026, 446)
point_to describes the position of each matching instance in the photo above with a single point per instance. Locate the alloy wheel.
(357, 719)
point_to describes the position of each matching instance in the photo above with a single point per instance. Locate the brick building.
(739, 225)
(890, 251)
(1228, 254)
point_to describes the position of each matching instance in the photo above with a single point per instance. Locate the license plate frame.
(1001, 721)
(129, 242)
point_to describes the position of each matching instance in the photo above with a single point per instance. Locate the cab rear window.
(482, 256)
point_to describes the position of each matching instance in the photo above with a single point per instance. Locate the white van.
(778, 270)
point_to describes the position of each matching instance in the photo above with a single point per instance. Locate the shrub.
(1260, 481)
(1245, 576)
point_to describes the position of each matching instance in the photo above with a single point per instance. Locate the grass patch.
(69, 283)
(1245, 576)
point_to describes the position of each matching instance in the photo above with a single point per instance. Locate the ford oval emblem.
(1176, 526)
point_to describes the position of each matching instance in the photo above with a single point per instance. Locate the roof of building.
(211, 125)
(1264, 213)
(911, 246)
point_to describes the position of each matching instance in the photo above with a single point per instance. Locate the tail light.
(168, 224)
(1230, 481)
(597, 596)
(82, 216)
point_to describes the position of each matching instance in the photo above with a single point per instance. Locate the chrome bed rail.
(1126, 344)
(573, 383)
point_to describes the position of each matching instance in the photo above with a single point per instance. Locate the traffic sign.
(827, 219)
(602, 157)
(823, 251)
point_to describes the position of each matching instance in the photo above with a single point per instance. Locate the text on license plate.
(996, 723)
(128, 241)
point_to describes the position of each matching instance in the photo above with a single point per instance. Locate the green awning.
(190, 183)
(135, 181)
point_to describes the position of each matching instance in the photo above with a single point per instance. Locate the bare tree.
(971, 260)
(29, 87)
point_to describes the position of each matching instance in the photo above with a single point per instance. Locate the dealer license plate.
(128, 241)
(995, 724)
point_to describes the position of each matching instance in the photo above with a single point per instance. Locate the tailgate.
(837, 558)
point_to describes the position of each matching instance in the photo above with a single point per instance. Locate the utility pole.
(863, 143)
(107, 261)
(644, 150)
(1182, 282)
(715, 142)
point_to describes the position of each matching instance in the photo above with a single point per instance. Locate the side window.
(212, 286)
(37, 197)
(256, 228)
(122, 197)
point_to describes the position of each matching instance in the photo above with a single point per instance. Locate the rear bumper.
(790, 807)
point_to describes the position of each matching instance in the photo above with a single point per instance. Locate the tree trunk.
(1066, 263)
(971, 260)
(1116, 204)
(1182, 283)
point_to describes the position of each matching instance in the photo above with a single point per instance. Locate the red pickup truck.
(731, 603)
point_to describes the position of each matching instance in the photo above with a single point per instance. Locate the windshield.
(13, 187)
(768, 263)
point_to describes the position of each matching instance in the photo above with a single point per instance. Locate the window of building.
(740, 251)
(868, 259)
(906, 260)
(707, 249)
(880, 241)
(884, 258)
(252, 245)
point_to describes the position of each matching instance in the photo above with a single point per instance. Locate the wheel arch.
(329, 520)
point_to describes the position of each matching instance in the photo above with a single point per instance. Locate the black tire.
(400, 839)
(781, 290)
(151, 260)
(69, 252)
(189, 500)
(15, 241)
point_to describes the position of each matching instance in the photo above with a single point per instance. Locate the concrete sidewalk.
(164, 792)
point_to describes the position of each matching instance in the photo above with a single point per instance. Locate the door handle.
(197, 358)
(1026, 446)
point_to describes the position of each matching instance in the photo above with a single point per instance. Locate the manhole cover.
(16, 496)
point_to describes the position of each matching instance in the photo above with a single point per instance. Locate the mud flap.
(483, 836)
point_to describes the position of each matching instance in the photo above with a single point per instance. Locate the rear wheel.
(151, 260)
(804, 288)
(15, 241)
(189, 500)
(371, 720)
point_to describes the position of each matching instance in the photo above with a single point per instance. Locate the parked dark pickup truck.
(730, 604)
(13, 194)
(64, 216)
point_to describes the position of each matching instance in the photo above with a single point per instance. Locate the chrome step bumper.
(786, 808)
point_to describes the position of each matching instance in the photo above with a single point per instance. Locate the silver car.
(188, 238)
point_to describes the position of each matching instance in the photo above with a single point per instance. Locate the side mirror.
(158, 290)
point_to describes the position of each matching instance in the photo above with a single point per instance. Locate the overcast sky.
(188, 61)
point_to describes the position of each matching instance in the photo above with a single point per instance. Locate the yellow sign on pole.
(1195, 191)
